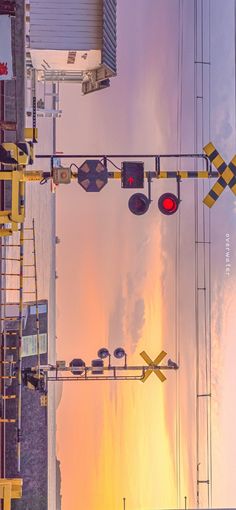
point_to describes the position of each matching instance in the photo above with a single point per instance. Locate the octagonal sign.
(92, 175)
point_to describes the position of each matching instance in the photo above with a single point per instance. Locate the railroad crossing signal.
(14, 154)
(227, 174)
(93, 175)
(77, 370)
(151, 363)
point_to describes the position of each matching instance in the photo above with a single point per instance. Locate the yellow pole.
(33, 175)
(7, 497)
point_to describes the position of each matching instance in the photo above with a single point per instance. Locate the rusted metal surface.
(7, 126)
(8, 7)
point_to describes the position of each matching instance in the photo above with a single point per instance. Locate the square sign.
(132, 174)
(6, 72)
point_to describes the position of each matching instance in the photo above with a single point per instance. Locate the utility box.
(61, 175)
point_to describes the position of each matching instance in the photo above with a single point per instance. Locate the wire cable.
(202, 264)
(179, 116)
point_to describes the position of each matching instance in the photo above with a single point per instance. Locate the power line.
(179, 115)
(202, 262)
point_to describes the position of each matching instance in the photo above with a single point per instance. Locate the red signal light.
(130, 180)
(168, 203)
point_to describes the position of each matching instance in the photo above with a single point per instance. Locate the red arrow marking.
(130, 180)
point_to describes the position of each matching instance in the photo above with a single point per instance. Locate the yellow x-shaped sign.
(156, 361)
(227, 174)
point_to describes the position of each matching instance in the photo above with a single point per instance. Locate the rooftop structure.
(73, 41)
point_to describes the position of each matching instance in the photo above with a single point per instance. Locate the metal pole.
(34, 106)
(125, 368)
(157, 157)
(56, 374)
(124, 503)
(102, 156)
(36, 299)
(20, 69)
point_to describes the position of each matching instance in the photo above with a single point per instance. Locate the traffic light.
(168, 203)
(132, 174)
(138, 204)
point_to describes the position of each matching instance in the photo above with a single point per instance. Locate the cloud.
(115, 327)
(225, 127)
(137, 321)
(126, 320)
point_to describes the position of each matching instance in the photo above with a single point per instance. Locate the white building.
(73, 40)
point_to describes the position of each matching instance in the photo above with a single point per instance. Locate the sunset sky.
(117, 279)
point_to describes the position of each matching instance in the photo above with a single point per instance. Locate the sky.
(117, 280)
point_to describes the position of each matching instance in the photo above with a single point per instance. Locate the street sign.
(156, 361)
(6, 71)
(92, 175)
(132, 174)
(227, 174)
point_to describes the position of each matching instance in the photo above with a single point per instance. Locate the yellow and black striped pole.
(181, 174)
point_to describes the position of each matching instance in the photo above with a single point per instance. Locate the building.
(34, 422)
(72, 41)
